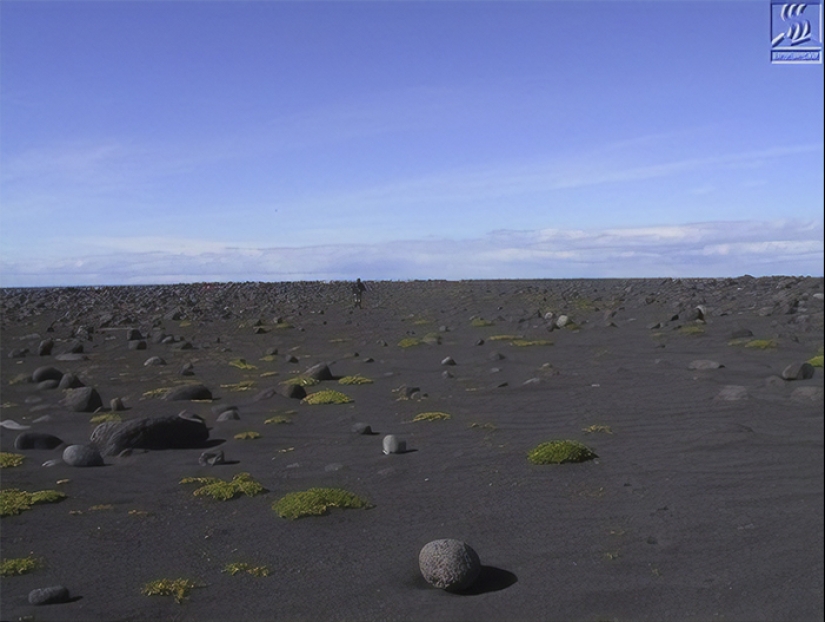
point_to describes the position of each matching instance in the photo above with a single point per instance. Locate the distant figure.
(358, 288)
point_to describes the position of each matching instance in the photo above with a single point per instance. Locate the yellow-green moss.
(354, 380)
(531, 342)
(161, 392)
(558, 452)
(431, 416)
(301, 381)
(598, 428)
(504, 337)
(327, 396)
(817, 361)
(239, 567)
(316, 502)
(13, 501)
(278, 420)
(243, 385)
(178, 588)
(692, 329)
(105, 417)
(242, 364)
(247, 436)
(409, 342)
(481, 323)
(8, 460)
(762, 344)
(223, 490)
(18, 565)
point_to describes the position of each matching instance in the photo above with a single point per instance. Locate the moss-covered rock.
(327, 396)
(14, 566)
(13, 501)
(8, 460)
(222, 490)
(559, 452)
(431, 416)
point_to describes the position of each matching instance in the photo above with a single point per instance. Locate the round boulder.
(394, 445)
(449, 564)
(52, 595)
(169, 432)
(82, 456)
(46, 373)
(83, 400)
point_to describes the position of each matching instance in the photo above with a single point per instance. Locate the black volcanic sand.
(697, 508)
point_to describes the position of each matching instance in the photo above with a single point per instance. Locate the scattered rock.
(11, 424)
(45, 347)
(116, 405)
(36, 440)
(703, 364)
(295, 391)
(211, 458)
(448, 361)
(52, 595)
(70, 381)
(807, 394)
(82, 456)
(154, 361)
(82, 400)
(394, 445)
(361, 428)
(229, 415)
(187, 370)
(188, 392)
(449, 564)
(320, 372)
(46, 373)
(798, 371)
(732, 393)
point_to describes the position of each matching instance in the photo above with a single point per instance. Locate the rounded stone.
(361, 428)
(394, 445)
(49, 595)
(36, 440)
(449, 564)
(82, 456)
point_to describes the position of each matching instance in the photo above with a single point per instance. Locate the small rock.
(798, 371)
(46, 373)
(394, 445)
(11, 424)
(449, 564)
(703, 364)
(448, 361)
(229, 415)
(187, 370)
(154, 361)
(52, 595)
(116, 405)
(562, 321)
(82, 456)
(732, 393)
(82, 400)
(807, 394)
(45, 347)
(70, 381)
(361, 428)
(211, 458)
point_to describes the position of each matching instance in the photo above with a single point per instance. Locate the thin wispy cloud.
(702, 249)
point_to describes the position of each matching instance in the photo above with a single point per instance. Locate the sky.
(148, 142)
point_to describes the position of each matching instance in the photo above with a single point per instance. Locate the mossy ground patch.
(13, 501)
(9, 460)
(178, 588)
(431, 416)
(327, 396)
(18, 565)
(357, 379)
(222, 490)
(316, 502)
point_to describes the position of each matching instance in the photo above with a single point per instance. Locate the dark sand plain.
(697, 508)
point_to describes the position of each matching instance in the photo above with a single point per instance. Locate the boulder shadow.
(491, 579)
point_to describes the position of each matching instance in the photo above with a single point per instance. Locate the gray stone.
(229, 415)
(732, 393)
(211, 458)
(46, 373)
(320, 372)
(189, 392)
(154, 361)
(51, 595)
(448, 361)
(703, 364)
(46, 385)
(116, 405)
(394, 445)
(449, 564)
(562, 321)
(798, 371)
(807, 394)
(70, 381)
(361, 428)
(82, 400)
(82, 456)
(137, 344)
(45, 347)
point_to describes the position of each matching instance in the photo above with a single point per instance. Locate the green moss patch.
(301, 381)
(239, 567)
(817, 361)
(481, 323)
(504, 337)
(13, 501)
(105, 417)
(692, 329)
(522, 343)
(327, 396)
(242, 364)
(247, 436)
(357, 379)
(559, 452)
(17, 565)
(8, 460)
(243, 385)
(762, 344)
(178, 588)
(431, 416)
(279, 419)
(409, 342)
(316, 502)
(597, 428)
(241, 484)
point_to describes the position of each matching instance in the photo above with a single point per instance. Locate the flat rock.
(189, 392)
(51, 595)
(211, 458)
(732, 393)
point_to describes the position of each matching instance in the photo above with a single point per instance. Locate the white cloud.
(699, 249)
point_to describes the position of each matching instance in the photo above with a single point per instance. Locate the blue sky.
(170, 141)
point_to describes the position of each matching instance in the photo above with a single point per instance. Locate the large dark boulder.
(46, 373)
(83, 400)
(189, 392)
(36, 440)
(169, 432)
(320, 372)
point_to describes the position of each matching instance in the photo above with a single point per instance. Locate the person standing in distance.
(358, 288)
